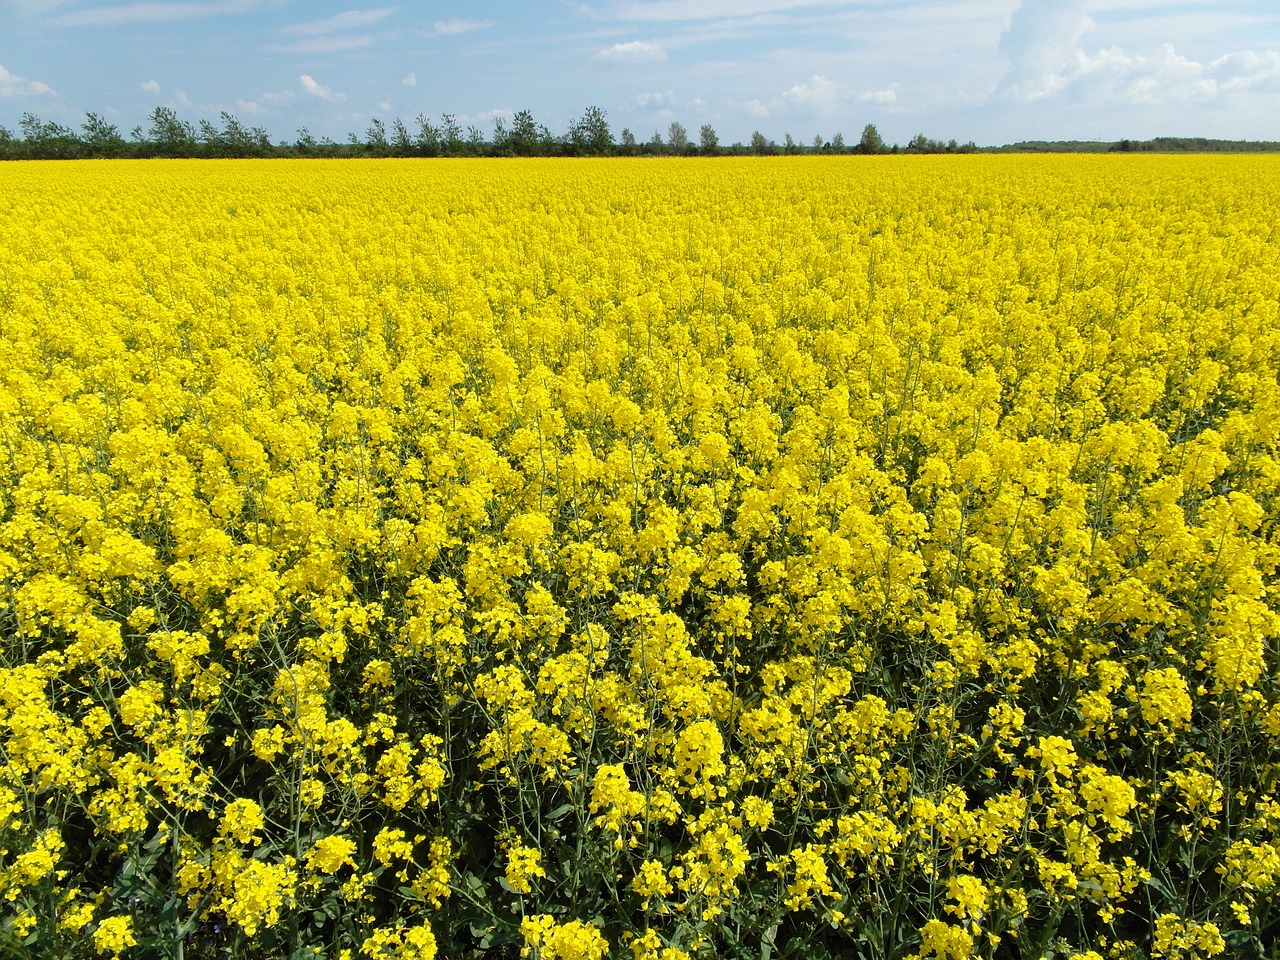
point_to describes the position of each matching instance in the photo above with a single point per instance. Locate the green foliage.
(166, 134)
(871, 141)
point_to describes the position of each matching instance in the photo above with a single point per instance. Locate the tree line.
(167, 135)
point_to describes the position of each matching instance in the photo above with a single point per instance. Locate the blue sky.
(993, 71)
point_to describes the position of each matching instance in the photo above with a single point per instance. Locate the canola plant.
(814, 557)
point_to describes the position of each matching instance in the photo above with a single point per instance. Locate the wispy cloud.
(331, 34)
(149, 86)
(446, 28)
(410, 79)
(816, 97)
(675, 10)
(336, 44)
(264, 103)
(348, 20)
(486, 117)
(633, 51)
(320, 90)
(12, 85)
(884, 98)
(152, 13)
(34, 7)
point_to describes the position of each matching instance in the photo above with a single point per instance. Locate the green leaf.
(766, 942)
(1158, 885)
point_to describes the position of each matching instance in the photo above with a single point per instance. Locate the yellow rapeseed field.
(815, 557)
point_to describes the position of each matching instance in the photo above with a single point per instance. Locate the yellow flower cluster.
(819, 557)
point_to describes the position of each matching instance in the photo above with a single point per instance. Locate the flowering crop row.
(828, 557)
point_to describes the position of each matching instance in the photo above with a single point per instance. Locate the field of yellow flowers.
(828, 557)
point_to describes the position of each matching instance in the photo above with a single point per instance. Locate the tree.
(817, 143)
(234, 137)
(708, 142)
(475, 141)
(171, 136)
(592, 132)
(210, 136)
(428, 137)
(837, 143)
(259, 141)
(871, 141)
(789, 143)
(450, 135)
(677, 137)
(628, 140)
(524, 134)
(376, 136)
(305, 142)
(501, 137)
(655, 142)
(102, 138)
(759, 145)
(44, 138)
(401, 142)
(32, 127)
(35, 130)
(238, 141)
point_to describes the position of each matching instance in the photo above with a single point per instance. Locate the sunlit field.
(786, 558)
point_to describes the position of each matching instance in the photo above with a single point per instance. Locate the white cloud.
(12, 85)
(347, 20)
(1113, 75)
(410, 79)
(152, 13)
(320, 90)
(149, 86)
(384, 106)
(1166, 76)
(326, 44)
(667, 10)
(1046, 60)
(818, 94)
(660, 98)
(329, 34)
(486, 117)
(885, 98)
(452, 27)
(262, 104)
(1247, 70)
(633, 51)
(1042, 37)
